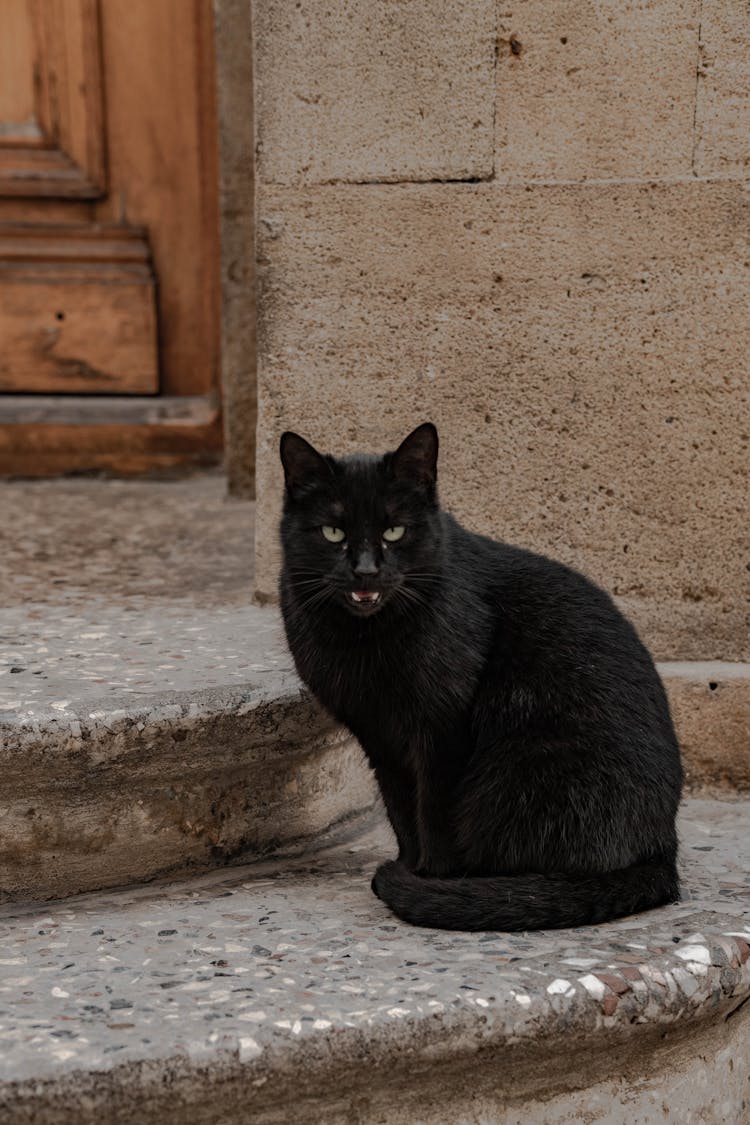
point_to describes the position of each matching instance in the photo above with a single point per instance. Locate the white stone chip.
(249, 1049)
(697, 953)
(593, 985)
(560, 986)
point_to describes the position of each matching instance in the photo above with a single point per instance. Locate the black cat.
(517, 727)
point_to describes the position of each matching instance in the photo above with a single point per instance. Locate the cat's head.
(361, 532)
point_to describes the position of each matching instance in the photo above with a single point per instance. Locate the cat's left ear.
(416, 458)
(302, 462)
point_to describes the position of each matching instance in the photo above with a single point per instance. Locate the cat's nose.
(365, 564)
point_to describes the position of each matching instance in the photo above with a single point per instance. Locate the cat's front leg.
(438, 853)
(398, 788)
(437, 860)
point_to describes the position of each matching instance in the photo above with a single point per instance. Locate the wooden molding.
(58, 242)
(61, 151)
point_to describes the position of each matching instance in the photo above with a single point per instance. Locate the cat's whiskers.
(306, 589)
(409, 597)
(318, 597)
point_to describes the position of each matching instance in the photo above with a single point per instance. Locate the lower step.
(287, 993)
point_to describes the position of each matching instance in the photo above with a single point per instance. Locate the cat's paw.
(382, 876)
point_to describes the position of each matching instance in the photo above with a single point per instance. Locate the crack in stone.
(698, 71)
(374, 182)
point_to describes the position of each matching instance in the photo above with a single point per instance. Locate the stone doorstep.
(107, 783)
(287, 992)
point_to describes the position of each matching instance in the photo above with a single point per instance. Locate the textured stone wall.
(529, 223)
(234, 82)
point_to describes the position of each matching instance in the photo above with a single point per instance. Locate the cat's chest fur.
(392, 686)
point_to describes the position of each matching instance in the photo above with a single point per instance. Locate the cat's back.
(516, 578)
(545, 613)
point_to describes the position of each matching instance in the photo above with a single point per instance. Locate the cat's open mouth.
(364, 601)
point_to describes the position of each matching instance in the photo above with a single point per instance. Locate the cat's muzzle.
(364, 602)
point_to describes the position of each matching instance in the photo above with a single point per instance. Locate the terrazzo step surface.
(286, 992)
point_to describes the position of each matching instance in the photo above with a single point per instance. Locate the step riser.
(124, 805)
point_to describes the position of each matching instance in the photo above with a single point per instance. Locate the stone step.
(285, 992)
(137, 740)
(135, 743)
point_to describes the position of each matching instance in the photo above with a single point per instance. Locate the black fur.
(517, 727)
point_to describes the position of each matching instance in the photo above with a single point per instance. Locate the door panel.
(51, 121)
(159, 75)
(78, 312)
(18, 112)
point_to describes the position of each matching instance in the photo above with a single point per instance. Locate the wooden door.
(109, 306)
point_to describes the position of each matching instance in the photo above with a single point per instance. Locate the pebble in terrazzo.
(244, 961)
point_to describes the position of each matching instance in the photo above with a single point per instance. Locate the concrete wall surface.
(529, 223)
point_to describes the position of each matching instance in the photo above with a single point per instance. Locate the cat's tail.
(525, 902)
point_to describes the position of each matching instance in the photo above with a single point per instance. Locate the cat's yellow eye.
(334, 534)
(393, 534)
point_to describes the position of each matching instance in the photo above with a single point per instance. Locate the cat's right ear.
(415, 459)
(302, 463)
